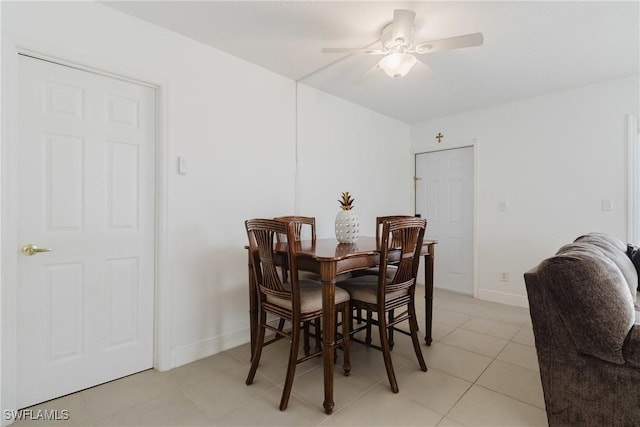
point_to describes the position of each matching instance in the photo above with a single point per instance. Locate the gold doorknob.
(31, 249)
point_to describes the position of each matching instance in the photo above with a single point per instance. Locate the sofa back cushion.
(592, 298)
(616, 251)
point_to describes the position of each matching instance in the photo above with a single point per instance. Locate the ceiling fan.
(399, 48)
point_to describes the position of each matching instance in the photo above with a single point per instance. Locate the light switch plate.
(182, 165)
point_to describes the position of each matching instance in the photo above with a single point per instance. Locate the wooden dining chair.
(299, 226)
(374, 270)
(304, 227)
(297, 301)
(379, 221)
(302, 234)
(401, 242)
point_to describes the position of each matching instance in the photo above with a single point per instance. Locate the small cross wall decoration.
(439, 137)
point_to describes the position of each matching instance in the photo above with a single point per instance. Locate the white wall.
(552, 159)
(343, 147)
(235, 124)
(227, 117)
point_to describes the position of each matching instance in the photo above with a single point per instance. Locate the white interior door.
(444, 197)
(86, 176)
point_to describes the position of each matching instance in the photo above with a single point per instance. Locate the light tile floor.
(483, 371)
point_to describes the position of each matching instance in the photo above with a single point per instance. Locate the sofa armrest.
(631, 347)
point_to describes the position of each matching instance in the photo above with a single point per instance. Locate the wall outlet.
(504, 276)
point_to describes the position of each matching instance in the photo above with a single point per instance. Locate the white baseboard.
(503, 298)
(209, 347)
(191, 353)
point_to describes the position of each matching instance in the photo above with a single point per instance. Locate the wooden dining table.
(329, 258)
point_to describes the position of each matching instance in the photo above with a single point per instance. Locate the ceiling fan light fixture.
(397, 65)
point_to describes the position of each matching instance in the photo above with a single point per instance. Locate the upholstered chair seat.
(365, 289)
(310, 298)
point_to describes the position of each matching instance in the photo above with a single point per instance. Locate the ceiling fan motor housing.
(399, 39)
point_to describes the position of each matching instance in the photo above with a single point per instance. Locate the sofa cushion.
(592, 298)
(616, 251)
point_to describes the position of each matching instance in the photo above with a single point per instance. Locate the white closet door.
(86, 190)
(444, 197)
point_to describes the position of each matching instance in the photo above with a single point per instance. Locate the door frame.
(474, 146)
(8, 209)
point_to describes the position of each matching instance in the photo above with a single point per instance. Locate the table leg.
(428, 292)
(328, 336)
(253, 306)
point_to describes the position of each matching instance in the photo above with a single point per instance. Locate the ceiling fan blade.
(421, 70)
(370, 51)
(366, 76)
(468, 40)
(403, 26)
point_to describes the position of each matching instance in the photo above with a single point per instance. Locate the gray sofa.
(586, 322)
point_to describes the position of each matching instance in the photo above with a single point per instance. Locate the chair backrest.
(381, 219)
(299, 222)
(263, 237)
(401, 243)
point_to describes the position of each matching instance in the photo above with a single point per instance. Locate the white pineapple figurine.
(347, 222)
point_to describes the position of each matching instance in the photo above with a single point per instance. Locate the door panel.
(86, 157)
(64, 311)
(123, 172)
(444, 197)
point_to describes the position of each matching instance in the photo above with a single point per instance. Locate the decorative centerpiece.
(347, 222)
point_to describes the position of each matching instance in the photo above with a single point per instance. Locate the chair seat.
(307, 275)
(391, 271)
(365, 289)
(310, 297)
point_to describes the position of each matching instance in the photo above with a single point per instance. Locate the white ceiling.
(530, 48)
